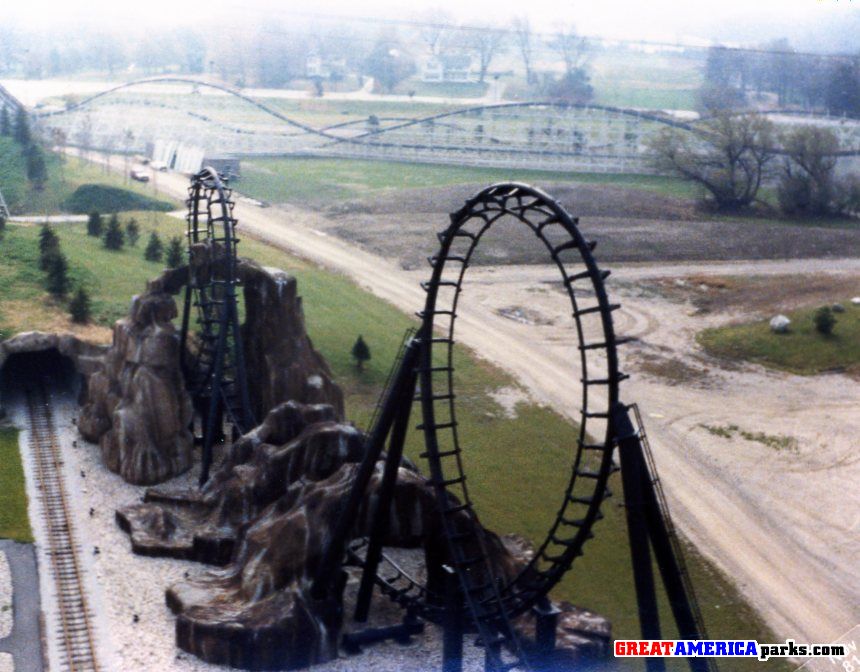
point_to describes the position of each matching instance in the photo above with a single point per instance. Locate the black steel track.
(213, 359)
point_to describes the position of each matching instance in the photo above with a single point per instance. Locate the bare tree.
(436, 26)
(729, 159)
(572, 47)
(523, 34)
(488, 42)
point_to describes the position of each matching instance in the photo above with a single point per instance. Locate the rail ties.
(77, 648)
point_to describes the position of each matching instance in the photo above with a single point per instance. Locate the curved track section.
(213, 355)
(76, 643)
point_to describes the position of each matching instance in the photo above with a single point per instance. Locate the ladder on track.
(4, 209)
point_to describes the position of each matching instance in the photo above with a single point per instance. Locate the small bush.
(175, 253)
(79, 306)
(824, 320)
(360, 353)
(154, 249)
(114, 238)
(57, 280)
(49, 244)
(89, 197)
(132, 232)
(94, 224)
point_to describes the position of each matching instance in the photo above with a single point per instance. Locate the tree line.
(779, 77)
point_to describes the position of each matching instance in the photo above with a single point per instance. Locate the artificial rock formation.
(136, 407)
(259, 613)
(296, 441)
(281, 359)
(86, 357)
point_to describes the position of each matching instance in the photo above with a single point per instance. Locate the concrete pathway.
(25, 641)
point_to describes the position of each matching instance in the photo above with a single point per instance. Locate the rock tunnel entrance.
(45, 367)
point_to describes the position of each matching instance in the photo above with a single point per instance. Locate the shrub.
(94, 224)
(808, 184)
(114, 237)
(79, 306)
(49, 244)
(175, 252)
(99, 197)
(154, 249)
(360, 353)
(824, 320)
(57, 268)
(132, 232)
(729, 160)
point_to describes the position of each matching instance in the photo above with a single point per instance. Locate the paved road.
(25, 641)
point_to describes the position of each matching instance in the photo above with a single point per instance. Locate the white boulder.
(779, 324)
(856, 300)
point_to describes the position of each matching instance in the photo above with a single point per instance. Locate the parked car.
(140, 175)
(158, 165)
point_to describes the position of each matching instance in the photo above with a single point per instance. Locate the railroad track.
(76, 644)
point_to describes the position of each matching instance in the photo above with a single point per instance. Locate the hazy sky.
(668, 20)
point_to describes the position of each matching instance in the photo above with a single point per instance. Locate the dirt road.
(784, 524)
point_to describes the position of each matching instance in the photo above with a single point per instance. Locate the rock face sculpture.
(280, 356)
(136, 406)
(295, 441)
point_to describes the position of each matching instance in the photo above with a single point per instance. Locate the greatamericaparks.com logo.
(722, 648)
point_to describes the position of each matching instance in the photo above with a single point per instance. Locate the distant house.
(317, 67)
(449, 68)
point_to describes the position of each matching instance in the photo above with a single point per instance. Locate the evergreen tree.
(154, 248)
(22, 128)
(79, 306)
(5, 122)
(824, 320)
(49, 244)
(114, 237)
(37, 171)
(132, 232)
(360, 353)
(57, 281)
(94, 224)
(175, 253)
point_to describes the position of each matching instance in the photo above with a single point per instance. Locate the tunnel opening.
(27, 370)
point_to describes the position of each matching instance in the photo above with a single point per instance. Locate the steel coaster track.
(77, 646)
(492, 602)
(216, 370)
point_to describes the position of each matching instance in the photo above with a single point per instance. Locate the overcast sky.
(662, 20)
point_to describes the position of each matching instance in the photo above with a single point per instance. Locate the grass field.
(14, 523)
(802, 350)
(650, 81)
(337, 311)
(65, 174)
(319, 181)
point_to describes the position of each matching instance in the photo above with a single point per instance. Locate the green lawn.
(320, 181)
(443, 89)
(65, 174)
(14, 523)
(802, 350)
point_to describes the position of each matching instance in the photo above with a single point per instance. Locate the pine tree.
(94, 224)
(175, 253)
(154, 248)
(132, 232)
(79, 306)
(57, 281)
(360, 353)
(22, 128)
(5, 122)
(114, 238)
(37, 170)
(49, 244)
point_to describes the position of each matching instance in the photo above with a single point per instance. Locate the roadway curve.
(787, 534)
